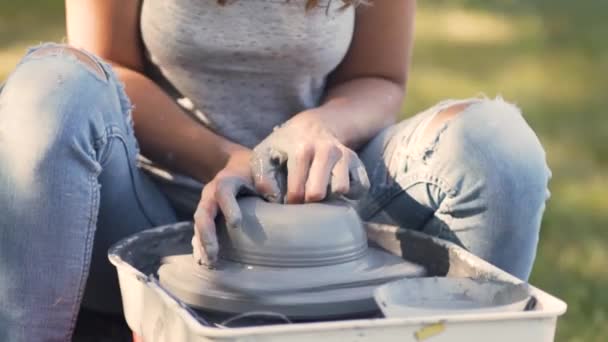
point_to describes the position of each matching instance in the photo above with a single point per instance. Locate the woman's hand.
(220, 194)
(302, 161)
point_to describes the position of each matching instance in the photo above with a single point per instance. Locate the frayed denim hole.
(429, 150)
(92, 64)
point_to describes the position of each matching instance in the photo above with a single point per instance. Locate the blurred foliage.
(548, 56)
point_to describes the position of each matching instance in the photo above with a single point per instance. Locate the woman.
(209, 81)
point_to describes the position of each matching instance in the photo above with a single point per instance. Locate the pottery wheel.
(329, 284)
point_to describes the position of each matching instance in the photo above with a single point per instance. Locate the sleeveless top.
(246, 67)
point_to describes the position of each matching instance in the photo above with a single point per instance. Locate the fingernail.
(235, 224)
(274, 198)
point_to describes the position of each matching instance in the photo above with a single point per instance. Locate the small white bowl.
(415, 297)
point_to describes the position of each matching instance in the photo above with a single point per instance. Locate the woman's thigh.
(478, 179)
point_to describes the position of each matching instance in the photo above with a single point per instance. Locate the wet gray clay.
(305, 261)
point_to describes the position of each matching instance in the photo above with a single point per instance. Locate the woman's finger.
(267, 170)
(225, 195)
(359, 182)
(325, 158)
(204, 225)
(298, 166)
(340, 178)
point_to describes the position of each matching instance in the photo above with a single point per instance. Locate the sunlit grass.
(460, 25)
(27, 23)
(551, 58)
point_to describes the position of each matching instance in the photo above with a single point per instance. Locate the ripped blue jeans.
(70, 186)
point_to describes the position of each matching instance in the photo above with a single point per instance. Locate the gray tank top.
(243, 68)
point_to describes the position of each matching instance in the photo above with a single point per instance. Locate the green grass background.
(550, 57)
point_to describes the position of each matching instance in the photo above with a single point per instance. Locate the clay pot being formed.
(315, 234)
(307, 261)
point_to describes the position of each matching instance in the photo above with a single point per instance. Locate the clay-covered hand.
(219, 196)
(300, 163)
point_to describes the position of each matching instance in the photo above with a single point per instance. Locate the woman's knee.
(55, 97)
(87, 60)
(54, 74)
(488, 138)
(494, 165)
(475, 146)
(57, 89)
